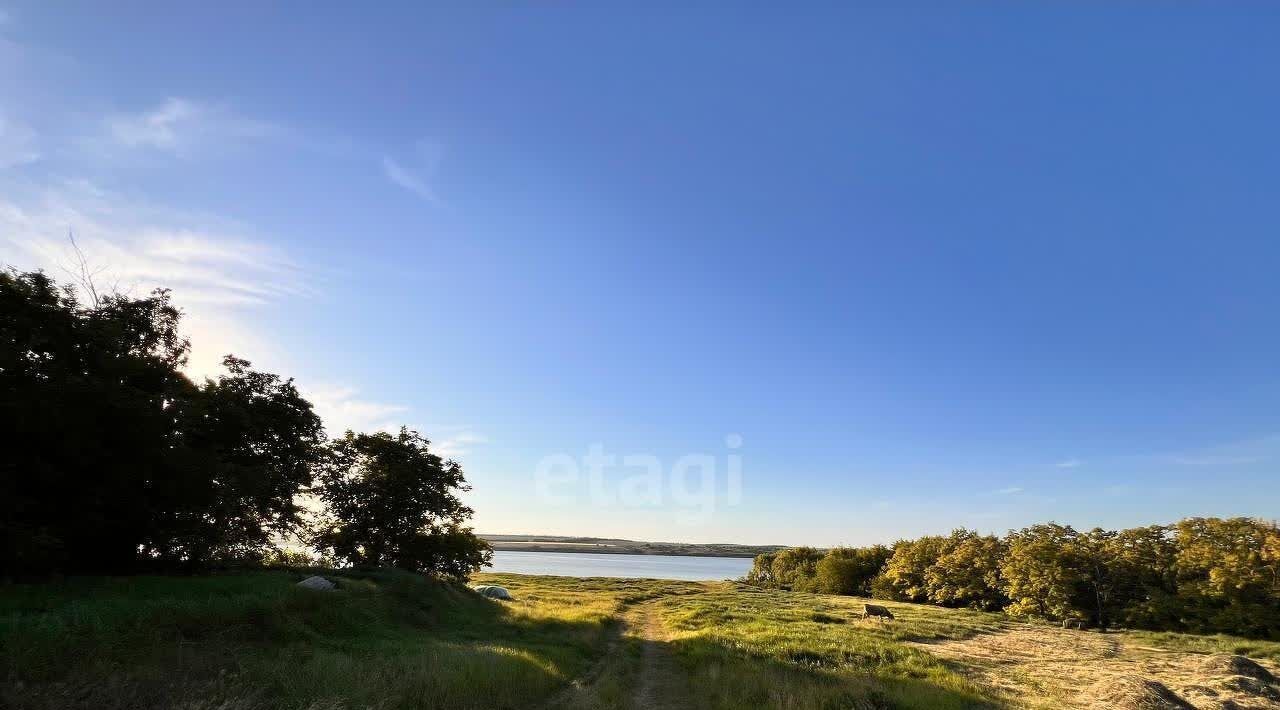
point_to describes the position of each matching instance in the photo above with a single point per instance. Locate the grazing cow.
(876, 610)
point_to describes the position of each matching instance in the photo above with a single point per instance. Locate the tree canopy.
(1200, 574)
(116, 460)
(389, 501)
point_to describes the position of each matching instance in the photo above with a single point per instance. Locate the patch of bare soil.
(652, 678)
(580, 691)
(1046, 667)
(662, 685)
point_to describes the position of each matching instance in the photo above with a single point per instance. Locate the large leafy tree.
(761, 572)
(905, 572)
(1229, 574)
(967, 573)
(849, 570)
(115, 457)
(795, 567)
(253, 441)
(1230, 558)
(1042, 571)
(1146, 592)
(391, 502)
(90, 396)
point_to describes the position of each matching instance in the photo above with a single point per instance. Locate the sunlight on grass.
(749, 647)
(1216, 643)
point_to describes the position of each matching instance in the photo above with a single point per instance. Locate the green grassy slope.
(239, 641)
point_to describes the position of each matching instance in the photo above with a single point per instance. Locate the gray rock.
(319, 584)
(493, 592)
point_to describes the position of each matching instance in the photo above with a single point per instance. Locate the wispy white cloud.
(1008, 491)
(457, 443)
(17, 143)
(214, 270)
(205, 266)
(407, 180)
(1241, 453)
(183, 127)
(1069, 463)
(343, 409)
(416, 172)
(219, 277)
(1214, 460)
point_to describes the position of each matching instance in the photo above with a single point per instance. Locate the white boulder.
(493, 591)
(319, 584)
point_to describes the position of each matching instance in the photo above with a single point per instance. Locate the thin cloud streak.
(407, 180)
(219, 279)
(1214, 460)
(214, 272)
(342, 409)
(182, 127)
(456, 445)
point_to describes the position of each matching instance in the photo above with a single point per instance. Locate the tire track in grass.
(652, 676)
(662, 684)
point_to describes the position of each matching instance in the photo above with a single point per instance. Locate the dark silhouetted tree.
(114, 457)
(90, 398)
(252, 442)
(391, 502)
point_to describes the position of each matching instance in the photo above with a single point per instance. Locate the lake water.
(590, 564)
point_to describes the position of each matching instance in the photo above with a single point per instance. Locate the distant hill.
(556, 543)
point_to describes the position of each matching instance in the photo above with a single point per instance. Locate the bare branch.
(81, 272)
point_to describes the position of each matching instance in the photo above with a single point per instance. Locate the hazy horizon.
(708, 273)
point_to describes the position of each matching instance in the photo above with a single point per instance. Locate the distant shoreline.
(610, 546)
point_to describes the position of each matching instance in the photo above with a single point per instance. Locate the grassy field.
(248, 640)
(254, 640)
(733, 646)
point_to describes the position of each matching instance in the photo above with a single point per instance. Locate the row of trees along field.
(116, 461)
(1200, 574)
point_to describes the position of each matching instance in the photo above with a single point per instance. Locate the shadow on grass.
(723, 677)
(648, 674)
(700, 672)
(248, 640)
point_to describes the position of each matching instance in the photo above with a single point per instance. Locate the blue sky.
(932, 264)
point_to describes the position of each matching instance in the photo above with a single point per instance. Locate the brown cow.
(876, 610)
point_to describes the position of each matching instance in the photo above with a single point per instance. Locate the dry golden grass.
(1039, 666)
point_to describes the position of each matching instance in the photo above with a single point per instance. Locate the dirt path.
(1040, 666)
(637, 669)
(661, 683)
